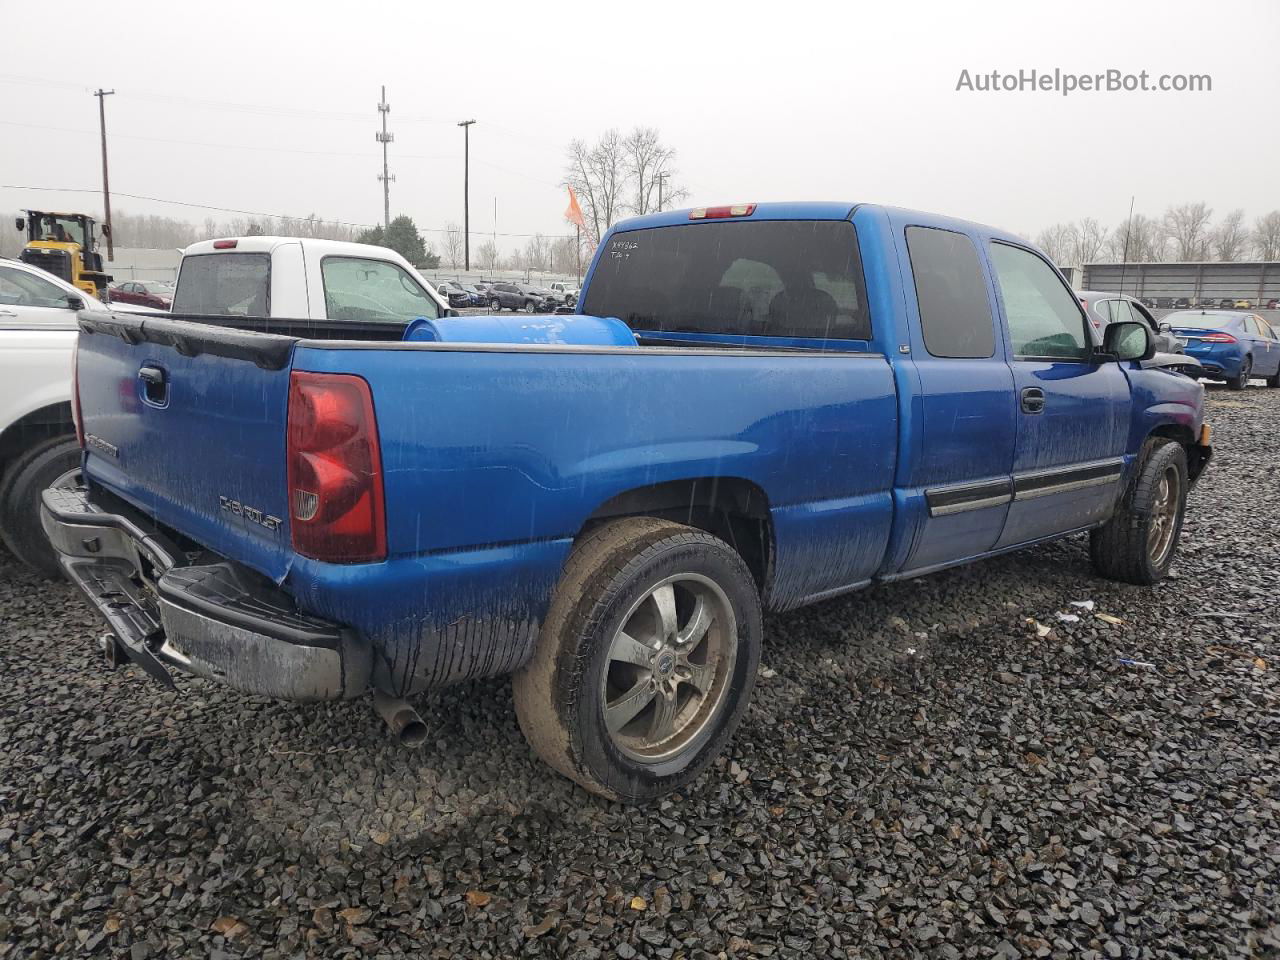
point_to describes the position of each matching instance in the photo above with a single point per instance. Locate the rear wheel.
(1138, 543)
(26, 478)
(646, 660)
(495, 305)
(1246, 371)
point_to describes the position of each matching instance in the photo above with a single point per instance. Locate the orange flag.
(574, 212)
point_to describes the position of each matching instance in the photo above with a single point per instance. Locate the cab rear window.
(224, 285)
(795, 279)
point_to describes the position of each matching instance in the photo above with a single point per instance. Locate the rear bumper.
(214, 620)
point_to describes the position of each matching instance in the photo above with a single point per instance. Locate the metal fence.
(1256, 281)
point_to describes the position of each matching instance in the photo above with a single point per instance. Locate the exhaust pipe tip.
(407, 726)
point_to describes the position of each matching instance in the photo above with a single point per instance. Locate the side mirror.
(20, 223)
(1128, 340)
(74, 302)
(1166, 327)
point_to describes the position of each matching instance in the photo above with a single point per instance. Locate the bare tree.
(1091, 237)
(649, 166)
(1188, 230)
(537, 253)
(1139, 240)
(1266, 236)
(598, 176)
(487, 256)
(453, 244)
(1059, 243)
(1231, 238)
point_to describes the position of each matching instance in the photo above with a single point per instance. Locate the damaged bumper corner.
(1200, 453)
(213, 620)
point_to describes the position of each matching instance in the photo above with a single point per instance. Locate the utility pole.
(661, 178)
(384, 138)
(106, 186)
(466, 193)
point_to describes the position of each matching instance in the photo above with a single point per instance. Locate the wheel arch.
(732, 508)
(33, 427)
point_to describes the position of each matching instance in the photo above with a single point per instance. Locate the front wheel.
(530, 307)
(1138, 543)
(1246, 371)
(646, 660)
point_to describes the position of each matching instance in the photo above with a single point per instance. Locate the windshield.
(770, 278)
(1200, 321)
(224, 285)
(60, 229)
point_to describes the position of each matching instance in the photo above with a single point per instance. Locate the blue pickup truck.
(757, 407)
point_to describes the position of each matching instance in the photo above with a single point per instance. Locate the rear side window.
(356, 288)
(955, 310)
(766, 278)
(224, 285)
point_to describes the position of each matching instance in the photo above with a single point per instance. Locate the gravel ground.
(921, 774)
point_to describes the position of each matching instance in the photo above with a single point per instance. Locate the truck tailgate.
(188, 422)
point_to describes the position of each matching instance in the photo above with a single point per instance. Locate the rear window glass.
(955, 310)
(1199, 321)
(357, 288)
(224, 285)
(770, 278)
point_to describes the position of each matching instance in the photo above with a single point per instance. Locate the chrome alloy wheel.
(1164, 516)
(668, 668)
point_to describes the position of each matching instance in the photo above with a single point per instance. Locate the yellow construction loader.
(64, 244)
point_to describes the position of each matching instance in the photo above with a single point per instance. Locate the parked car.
(518, 296)
(568, 292)
(454, 293)
(1242, 304)
(37, 430)
(1164, 303)
(1233, 347)
(1226, 303)
(474, 297)
(1273, 304)
(144, 293)
(602, 503)
(1182, 303)
(1105, 308)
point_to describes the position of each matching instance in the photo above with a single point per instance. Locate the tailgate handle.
(155, 385)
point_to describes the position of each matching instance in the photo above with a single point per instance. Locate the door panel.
(958, 474)
(1073, 413)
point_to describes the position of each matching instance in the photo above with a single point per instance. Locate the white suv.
(37, 435)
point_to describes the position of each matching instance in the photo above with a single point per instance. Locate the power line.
(223, 146)
(253, 213)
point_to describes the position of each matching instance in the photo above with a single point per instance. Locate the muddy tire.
(646, 660)
(1138, 544)
(23, 482)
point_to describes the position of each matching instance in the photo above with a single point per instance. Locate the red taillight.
(720, 213)
(336, 502)
(76, 416)
(1218, 338)
(225, 244)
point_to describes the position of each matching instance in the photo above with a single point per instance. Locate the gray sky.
(769, 101)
